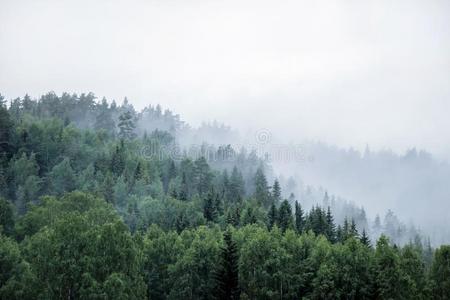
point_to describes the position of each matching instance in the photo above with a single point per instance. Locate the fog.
(347, 73)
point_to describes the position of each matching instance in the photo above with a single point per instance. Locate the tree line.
(85, 215)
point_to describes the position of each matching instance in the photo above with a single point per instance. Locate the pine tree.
(202, 175)
(340, 236)
(272, 216)
(331, 229)
(365, 239)
(248, 217)
(184, 189)
(353, 231)
(285, 216)
(118, 159)
(209, 208)
(6, 131)
(299, 218)
(108, 188)
(236, 186)
(126, 126)
(6, 217)
(345, 230)
(227, 273)
(276, 193)
(104, 120)
(440, 273)
(261, 189)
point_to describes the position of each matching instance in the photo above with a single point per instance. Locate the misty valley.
(100, 200)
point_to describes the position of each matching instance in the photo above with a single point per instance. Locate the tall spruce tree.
(209, 207)
(227, 273)
(126, 126)
(272, 216)
(285, 219)
(262, 193)
(331, 228)
(299, 218)
(365, 239)
(276, 193)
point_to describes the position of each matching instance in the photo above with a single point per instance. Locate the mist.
(349, 75)
(239, 149)
(353, 73)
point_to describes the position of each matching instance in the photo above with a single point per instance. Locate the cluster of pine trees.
(85, 215)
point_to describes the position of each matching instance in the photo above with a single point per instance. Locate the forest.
(101, 201)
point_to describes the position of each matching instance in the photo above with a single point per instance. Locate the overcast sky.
(347, 72)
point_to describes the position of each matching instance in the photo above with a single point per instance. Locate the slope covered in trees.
(96, 206)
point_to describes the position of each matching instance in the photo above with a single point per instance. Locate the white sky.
(348, 72)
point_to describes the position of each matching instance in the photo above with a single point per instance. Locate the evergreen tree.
(340, 235)
(121, 192)
(126, 126)
(387, 271)
(108, 188)
(236, 186)
(170, 174)
(203, 175)
(6, 217)
(104, 120)
(209, 208)
(118, 159)
(6, 133)
(285, 219)
(261, 189)
(365, 239)
(440, 273)
(272, 216)
(248, 217)
(227, 274)
(276, 193)
(184, 189)
(331, 229)
(353, 231)
(299, 219)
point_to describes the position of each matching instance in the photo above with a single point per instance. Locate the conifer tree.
(365, 239)
(262, 193)
(104, 119)
(440, 273)
(227, 273)
(236, 186)
(340, 234)
(118, 159)
(108, 188)
(272, 216)
(6, 130)
(276, 192)
(353, 231)
(209, 208)
(184, 189)
(299, 218)
(285, 216)
(331, 228)
(126, 126)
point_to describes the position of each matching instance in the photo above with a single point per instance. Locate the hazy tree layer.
(91, 210)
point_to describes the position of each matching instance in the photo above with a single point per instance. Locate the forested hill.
(99, 201)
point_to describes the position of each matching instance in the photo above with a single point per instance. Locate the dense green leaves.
(85, 215)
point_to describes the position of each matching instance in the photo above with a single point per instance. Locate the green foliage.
(262, 194)
(440, 273)
(227, 273)
(120, 224)
(285, 219)
(126, 126)
(6, 217)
